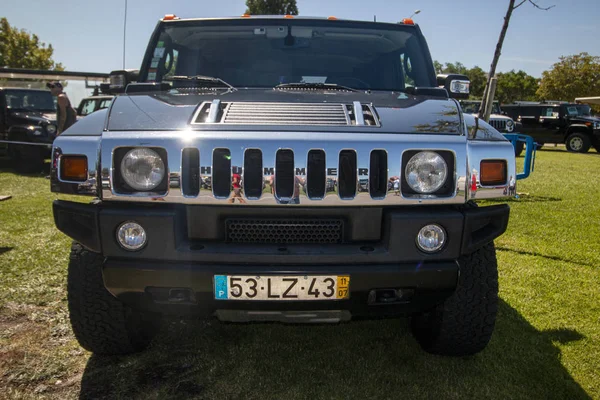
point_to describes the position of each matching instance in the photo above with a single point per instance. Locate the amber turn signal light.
(73, 168)
(492, 172)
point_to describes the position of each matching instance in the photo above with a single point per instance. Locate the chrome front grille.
(498, 124)
(284, 231)
(274, 169)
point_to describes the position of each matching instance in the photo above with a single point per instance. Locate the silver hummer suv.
(283, 169)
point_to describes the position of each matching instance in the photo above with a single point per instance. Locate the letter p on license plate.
(277, 287)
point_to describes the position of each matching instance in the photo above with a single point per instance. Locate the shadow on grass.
(5, 250)
(555, 258)
(366, 359)
(6, 165)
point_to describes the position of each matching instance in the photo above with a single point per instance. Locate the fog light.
(431, 238)
(131, 236)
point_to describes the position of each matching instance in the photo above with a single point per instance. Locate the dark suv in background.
(28, 121)
(558, 122)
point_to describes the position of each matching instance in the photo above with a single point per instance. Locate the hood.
(34, 117)
(395, 111)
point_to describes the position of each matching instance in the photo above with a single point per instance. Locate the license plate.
(278, 287)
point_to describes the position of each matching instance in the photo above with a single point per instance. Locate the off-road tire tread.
(464, 323)
(101, 323)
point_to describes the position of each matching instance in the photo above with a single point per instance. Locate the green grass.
(546, 344)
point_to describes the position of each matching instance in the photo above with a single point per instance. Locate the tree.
(456, 68)
(271, 7)
(513, 86)
(485, 108)
(478, 79)
(20, 49)
(573, 76)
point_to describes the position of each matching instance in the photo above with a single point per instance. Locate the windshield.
(31, 100)
(578, 110)
(266, 53)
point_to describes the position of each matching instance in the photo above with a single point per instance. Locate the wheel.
(101, 323)
(464, 323)
(519, 146)
(578, 142)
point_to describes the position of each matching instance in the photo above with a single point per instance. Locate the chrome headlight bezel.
(428, 161)
(143, 169)
(51, 129)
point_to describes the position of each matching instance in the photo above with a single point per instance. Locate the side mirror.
(119, 79)
(456, 85)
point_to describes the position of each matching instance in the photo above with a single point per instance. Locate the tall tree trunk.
(484, 105)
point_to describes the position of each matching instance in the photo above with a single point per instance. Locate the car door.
(550, 122)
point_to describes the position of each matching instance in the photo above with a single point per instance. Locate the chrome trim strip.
(300, 143)
(213, 113)
(358, 113)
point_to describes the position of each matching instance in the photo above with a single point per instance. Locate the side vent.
(210, 112)
(284, 174)
(190, 172)
(253, 174)
(369, 115)
(378, 174)
(221, 173)
(361, 114)
(316, 174)
(347, 174)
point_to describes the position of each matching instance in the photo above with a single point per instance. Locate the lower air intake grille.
(284, 231)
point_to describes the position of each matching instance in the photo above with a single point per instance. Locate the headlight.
(142, 169)
(51, 129)
(510, 126)
(426, 172)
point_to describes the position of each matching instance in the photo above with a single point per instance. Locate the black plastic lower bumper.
(178, 260)
(189, 289)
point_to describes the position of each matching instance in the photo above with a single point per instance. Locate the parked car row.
(571, 124)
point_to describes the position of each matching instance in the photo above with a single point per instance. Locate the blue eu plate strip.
(221, 287)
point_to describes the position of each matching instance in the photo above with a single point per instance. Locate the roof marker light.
(288, 16)
(408, 21)
(332, 18)
(246, 16)
(170, 17)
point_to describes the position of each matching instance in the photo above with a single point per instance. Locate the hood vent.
(313, 114)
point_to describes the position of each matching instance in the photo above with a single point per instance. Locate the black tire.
(578, 142)
(101, 323)
(519, 146)
(464, 323)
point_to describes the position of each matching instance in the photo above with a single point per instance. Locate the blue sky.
(88, 35)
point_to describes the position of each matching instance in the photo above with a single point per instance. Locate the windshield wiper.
(315, 85)
(201, 79)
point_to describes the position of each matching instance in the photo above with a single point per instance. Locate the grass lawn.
(546, 344)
